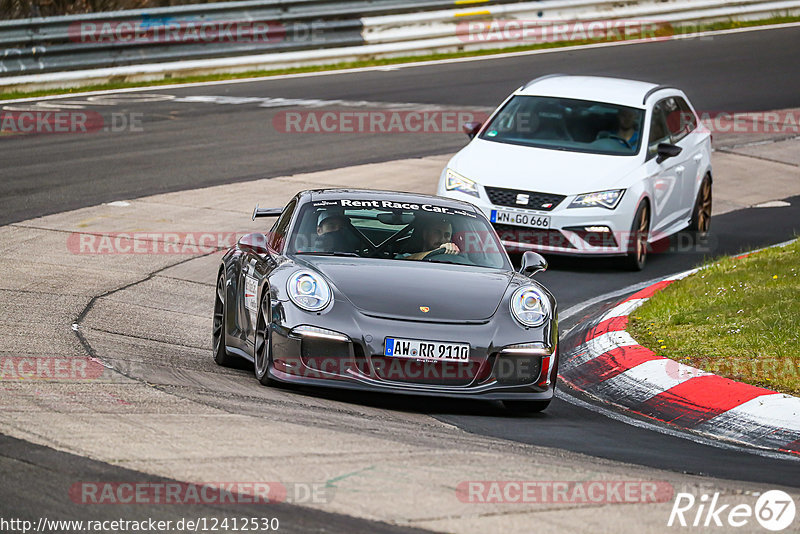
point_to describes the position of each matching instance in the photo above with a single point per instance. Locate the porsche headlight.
(530, 306)
(309, 291)
(601, 199)
(455, 182)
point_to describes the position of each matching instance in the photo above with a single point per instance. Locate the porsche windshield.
(566, 124)
(401, 231)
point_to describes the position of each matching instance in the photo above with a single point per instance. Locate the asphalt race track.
(189, 145)
(201, 142)
(37, 481)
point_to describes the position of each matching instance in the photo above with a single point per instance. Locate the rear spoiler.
(266, 212)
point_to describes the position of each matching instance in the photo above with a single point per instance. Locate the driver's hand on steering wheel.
(449, 248)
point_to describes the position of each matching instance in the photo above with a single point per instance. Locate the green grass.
(737, 318)
(379, 61)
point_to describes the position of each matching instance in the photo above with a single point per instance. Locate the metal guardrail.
(40, 45)
(437, 29)
(53, 52)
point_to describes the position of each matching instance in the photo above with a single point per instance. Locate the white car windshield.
(398, 230)
(568, 124)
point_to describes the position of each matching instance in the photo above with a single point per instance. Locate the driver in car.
(436, 235)
(330, 232)
(627, 132)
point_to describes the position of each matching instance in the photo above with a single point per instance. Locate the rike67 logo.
(774, 510)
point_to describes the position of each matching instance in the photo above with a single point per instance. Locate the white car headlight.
(455, 182)
(530, 306)
(309, 291)
(602, 199)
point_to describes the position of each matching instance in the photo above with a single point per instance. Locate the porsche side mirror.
(472, 128)
(255, 243)
(532, 263)
(666, 151)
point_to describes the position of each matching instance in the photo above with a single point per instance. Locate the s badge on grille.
(523, 199)
(424, 309)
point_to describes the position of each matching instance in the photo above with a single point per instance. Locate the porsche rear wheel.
(221, 355)
(520, 406)
(262, 349)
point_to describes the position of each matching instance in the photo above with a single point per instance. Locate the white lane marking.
(773, 204)
(681, 276)
(210, 99)
(35, 107)
(600, 345)
(110, 100)
(782, 411)
(61, 104)
(264, 102)
(54, 106)
(645, 381)
(623, 309)
(682, 434)
(412, 64)
(128, 99)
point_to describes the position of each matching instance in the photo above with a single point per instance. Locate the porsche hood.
(412, 290)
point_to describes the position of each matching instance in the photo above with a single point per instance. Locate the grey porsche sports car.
(387, 291)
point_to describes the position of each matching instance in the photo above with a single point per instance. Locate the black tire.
(219, 348)
(520, 406)
(700, 223)
(262, 346)
(637, 241)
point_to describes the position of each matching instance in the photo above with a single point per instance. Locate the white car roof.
(593, 88)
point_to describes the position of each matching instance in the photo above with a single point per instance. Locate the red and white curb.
(611, 366)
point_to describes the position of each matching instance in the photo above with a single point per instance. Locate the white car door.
(682, 126)
(665, 178)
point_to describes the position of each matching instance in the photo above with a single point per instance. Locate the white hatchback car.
(587, 165)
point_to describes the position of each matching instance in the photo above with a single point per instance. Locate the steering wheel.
(609, 135)
(456, 259)
(438, 252)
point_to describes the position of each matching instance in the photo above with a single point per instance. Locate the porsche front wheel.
(262, 350)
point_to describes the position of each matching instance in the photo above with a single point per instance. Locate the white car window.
(658, 131)
(680, 118)
(568, 124)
